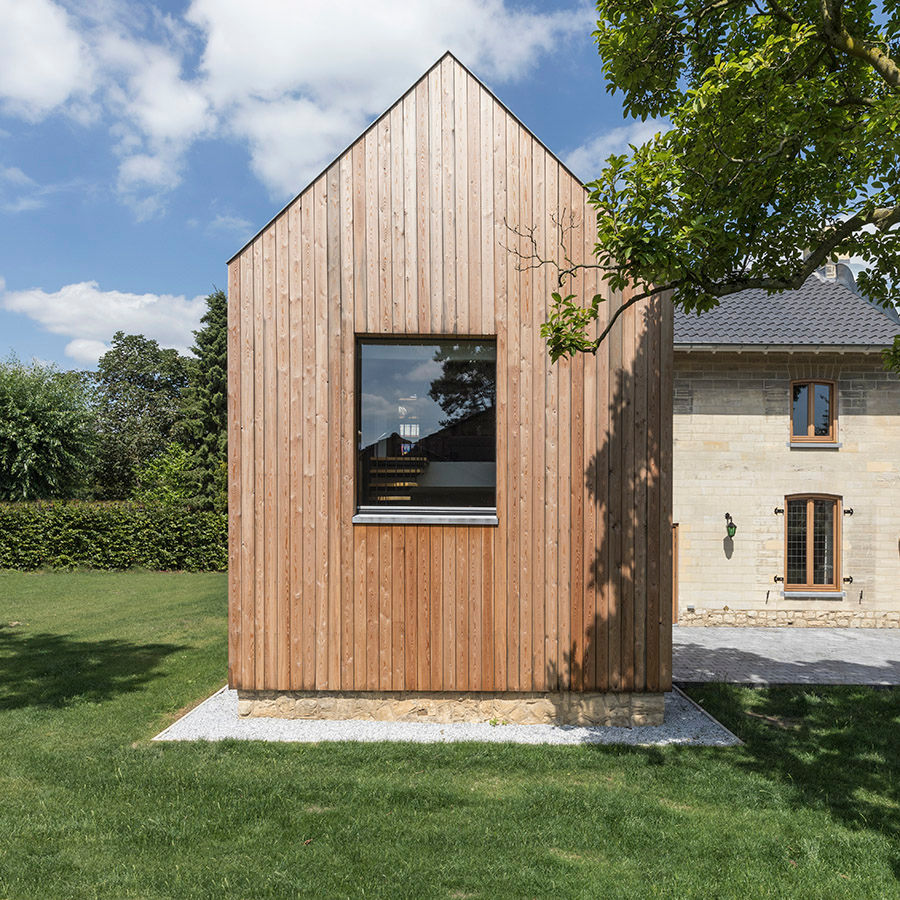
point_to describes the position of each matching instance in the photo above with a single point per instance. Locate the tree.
(467, 383)
(167, 480)
(46, 432)
(205, 425)
(784, 150)
(140, 389)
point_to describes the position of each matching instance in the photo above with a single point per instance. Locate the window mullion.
(810, 541)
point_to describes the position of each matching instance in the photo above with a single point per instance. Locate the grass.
(100, 662)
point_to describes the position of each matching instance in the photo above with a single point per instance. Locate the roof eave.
(707, 347)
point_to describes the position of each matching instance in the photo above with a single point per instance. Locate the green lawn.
(98, 663)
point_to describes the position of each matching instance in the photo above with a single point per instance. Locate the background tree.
(785, 136)
(467, 383)
(140, 391)
(205, 426)
(168, 479)
(47, 432)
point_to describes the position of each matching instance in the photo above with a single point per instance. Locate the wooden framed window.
(812, 542)
(813, 412)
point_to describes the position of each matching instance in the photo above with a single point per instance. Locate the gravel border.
(216, 719)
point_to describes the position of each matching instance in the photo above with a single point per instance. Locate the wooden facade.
(409, 232)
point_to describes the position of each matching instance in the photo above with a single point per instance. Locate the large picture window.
(812, 543)
(813, 416)
(427, 426)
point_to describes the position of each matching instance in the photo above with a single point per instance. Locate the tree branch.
(636, 298)
(534, 260)
(882, 218)
(780, 13)
(836, 35)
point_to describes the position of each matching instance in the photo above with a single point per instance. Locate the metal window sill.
(815, 445)
(436, 518)
(816, 595)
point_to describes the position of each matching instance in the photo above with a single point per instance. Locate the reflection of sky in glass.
(395, 380)
(801, 408)
(822, 409)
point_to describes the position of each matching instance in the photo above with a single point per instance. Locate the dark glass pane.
(823, 542)
(796, 542)
(822, 410)
(427, 423)
(800, 410)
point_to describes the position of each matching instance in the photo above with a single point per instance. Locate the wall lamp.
(730, 527)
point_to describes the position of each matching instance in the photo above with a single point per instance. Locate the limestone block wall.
(732, 454)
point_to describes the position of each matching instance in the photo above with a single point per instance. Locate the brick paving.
(787, 655)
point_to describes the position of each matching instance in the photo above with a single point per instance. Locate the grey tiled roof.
(819, 313)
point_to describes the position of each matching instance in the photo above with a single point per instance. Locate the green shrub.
(111, 536)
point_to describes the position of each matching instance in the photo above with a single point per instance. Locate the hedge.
(62, 535)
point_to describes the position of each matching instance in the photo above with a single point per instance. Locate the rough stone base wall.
(623, 709)
(803, 618)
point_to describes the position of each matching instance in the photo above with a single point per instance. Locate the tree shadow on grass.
(837, 747)
(52, 670)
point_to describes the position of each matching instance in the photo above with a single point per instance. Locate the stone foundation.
(623, 709)
(798, 618)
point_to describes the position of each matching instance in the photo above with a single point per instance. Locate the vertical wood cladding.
(409, 233)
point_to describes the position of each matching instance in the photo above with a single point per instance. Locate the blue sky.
(142, 144)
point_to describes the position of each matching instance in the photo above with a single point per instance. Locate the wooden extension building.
(427, 517)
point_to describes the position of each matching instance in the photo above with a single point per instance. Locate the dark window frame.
(386, 514)
(811, 437)
(808, 584)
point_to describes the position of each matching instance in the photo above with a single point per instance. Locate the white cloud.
(294, 82)
(21, 193)
(230, 225)
(299, 81)
(86, 351)
(587, 160)
(291, 140)
(43, 60)
(15, 176)
(158, 114)
(366, 50)
(425, 371)
(160, 102)
(89, 316)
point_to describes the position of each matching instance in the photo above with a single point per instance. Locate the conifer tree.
(205, 411)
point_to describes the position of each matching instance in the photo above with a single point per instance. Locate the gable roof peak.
(446, 55)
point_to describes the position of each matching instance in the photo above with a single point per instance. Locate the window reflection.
(427, 423)
(801, 404)
(822, 409)
(823, 542)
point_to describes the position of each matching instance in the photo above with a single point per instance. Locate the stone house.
(787, 460)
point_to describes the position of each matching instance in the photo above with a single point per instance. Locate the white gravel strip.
(216, 719)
